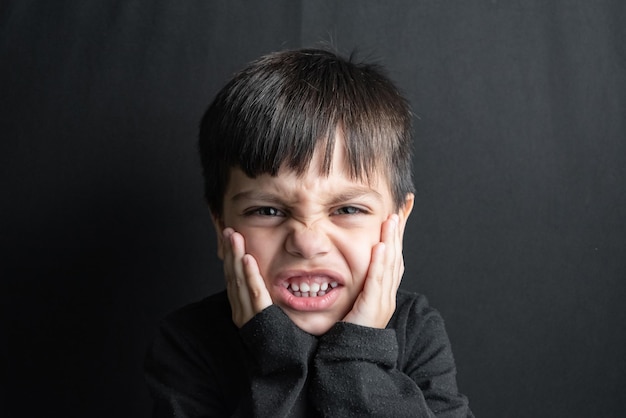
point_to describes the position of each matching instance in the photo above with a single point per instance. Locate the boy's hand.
(377, 301)
(246, 289)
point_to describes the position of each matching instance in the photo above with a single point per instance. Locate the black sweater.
(201, 365)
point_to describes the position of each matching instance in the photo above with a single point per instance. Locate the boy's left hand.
(377, 301)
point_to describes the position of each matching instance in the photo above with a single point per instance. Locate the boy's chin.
(313, 325)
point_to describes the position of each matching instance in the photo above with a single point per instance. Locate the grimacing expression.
(311, 235)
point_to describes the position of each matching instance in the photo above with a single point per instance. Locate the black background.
(518, 235)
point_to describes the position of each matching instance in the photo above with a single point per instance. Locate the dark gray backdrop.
(518, 234)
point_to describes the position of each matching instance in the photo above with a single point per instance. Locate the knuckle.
(255, 293)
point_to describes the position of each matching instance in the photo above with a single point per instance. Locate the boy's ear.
(218, 223)
(405, 210)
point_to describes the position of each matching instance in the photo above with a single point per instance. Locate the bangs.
(280, 110)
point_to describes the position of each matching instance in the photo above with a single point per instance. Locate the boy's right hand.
(245, 286)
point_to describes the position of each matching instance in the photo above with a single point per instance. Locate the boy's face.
(310, 232)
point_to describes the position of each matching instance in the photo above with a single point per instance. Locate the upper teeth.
(306, 289)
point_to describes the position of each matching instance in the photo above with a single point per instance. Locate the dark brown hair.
(277, 111)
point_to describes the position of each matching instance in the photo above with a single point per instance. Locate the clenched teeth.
(306, 290)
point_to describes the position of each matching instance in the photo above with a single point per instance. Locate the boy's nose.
(307, 242)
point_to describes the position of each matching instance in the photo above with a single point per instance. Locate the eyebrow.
(342, 197)
(257, 195)
(354, 193)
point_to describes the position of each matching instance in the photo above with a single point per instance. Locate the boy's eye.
(266, 211)
(348, 210)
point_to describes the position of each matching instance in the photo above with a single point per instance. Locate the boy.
(307, 166)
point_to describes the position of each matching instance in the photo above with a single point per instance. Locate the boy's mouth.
(310, 289)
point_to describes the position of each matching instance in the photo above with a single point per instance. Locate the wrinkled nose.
(307, 242)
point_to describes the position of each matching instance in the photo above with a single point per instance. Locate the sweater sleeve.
(196, 368)
(362, 371)
(280, 354)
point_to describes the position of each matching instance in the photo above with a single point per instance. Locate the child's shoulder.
(420, 330)
(212, 312)
(412, 300)
(413, 310)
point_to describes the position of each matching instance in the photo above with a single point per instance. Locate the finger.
(236, 289)
(237, 244)
(259, 295)
(240, 284)
(377, 265)
(228, 256)
(231, 254)
(229, 274)
(388, 237)
(399, 253)
(390, 287)
(397, 257)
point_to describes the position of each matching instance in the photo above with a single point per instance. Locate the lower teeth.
(321, 290)
(309, 294)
